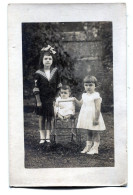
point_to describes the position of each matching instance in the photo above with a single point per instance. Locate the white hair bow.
(49, 48)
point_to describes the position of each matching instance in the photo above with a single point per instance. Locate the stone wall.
(87, 50)
(82, 48)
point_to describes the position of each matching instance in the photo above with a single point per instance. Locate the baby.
(65, 105)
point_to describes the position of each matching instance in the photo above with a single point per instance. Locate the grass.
(64, 153)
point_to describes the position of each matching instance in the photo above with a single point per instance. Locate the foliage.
(107, 62)
(38, 35)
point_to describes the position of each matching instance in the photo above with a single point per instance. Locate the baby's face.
(64, 93)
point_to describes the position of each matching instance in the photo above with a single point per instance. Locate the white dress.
(87, 113)
(65, 106)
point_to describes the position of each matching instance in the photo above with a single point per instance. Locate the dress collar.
(42, 73)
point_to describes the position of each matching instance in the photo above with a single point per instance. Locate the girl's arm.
(59, 84)
(97, 110)
(39, 103)
(37, 96)
(78, 102)
(36, 92)
(56, 107)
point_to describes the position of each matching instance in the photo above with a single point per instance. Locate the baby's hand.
(61, 106)
(95, 122)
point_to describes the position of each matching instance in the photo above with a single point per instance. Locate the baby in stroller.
(65, 104)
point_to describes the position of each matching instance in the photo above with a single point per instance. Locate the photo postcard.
(67, 95)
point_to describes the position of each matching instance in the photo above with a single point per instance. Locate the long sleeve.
(36, 90)
(56, 106)
(59, 85)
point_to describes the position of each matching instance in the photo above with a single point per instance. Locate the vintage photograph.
(68, 97)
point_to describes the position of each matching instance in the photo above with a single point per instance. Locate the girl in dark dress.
(47, 82)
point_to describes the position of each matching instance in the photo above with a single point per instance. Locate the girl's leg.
(50, 115)
(96, 140)
(48, 131)
(42, 129)
(89, 135)
(52, 125)
(88, 142)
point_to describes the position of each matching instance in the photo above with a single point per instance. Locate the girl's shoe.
(93, 150)
(42, 141)
(86, 149)
(48, 140)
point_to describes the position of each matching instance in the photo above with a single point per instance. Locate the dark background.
(82, 48)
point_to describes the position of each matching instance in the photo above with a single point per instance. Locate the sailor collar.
(42, 73)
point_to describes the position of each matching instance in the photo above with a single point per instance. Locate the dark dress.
(47, 89)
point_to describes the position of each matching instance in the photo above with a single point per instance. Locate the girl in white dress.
(90, 117)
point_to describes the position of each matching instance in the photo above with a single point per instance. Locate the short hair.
(90, 79)
(66, 87)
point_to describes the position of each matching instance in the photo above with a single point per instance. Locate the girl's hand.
(95, 122)
(78, 102)
(74, 99)
(39, 104)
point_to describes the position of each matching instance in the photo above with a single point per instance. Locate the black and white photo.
(70, 62)
(67, 95)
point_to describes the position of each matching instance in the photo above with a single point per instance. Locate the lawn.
(65, 153)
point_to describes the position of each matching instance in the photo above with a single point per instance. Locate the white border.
(66, 177)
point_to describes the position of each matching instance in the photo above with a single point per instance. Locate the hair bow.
(49, 48)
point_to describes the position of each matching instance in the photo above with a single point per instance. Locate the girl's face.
(64, 93)
(47, 61)
(89, 87)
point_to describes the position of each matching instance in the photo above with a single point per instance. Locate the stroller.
(66, 127)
